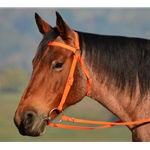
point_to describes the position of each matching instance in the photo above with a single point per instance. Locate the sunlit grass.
(87, 109)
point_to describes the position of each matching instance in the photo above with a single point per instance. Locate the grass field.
(86, 109)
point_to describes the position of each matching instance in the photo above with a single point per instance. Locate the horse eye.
(57, 66)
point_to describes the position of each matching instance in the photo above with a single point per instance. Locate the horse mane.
(123, 60)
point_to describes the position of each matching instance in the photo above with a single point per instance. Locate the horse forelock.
(48, 37)
(123, 60)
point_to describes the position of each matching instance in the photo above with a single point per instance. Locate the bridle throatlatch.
(69, 83)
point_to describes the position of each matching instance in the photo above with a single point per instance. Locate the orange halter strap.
(69, 83)
(77, 56)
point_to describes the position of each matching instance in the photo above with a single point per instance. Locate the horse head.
(51, 66)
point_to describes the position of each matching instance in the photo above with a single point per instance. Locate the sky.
(60, 3)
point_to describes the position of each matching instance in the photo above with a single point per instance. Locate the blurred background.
(19, 38)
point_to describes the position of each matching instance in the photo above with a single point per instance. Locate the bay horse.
(113, 70)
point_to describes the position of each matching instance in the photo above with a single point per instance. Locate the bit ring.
(49, 118)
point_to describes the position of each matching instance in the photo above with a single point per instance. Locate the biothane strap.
(102, 124)
(77, 56)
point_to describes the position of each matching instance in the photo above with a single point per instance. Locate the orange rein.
(77, 56)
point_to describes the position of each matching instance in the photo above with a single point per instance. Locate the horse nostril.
(28, 119)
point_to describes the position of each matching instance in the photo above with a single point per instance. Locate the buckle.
(90, 81)
(70, 81)
(77, 52)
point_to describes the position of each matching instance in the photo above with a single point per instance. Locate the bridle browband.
(69, 83)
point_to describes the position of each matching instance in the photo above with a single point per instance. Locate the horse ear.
(43, 26)
(63, 29)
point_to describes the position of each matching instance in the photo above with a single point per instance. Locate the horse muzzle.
(30, 124)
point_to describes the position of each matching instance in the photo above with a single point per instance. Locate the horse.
(112, 70)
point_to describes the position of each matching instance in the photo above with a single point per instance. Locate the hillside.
(19, 36)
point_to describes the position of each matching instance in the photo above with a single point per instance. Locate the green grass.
(86, 109)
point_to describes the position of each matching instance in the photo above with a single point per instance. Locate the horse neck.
(118, 102)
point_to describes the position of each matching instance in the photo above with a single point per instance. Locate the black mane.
(124, 60)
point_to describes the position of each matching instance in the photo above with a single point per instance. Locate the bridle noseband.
(69, 83)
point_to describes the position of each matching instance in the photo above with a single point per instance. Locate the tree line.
(13, 80)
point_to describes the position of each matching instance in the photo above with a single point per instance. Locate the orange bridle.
(77, 56)
(69, 83)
